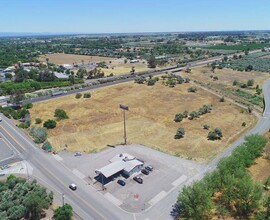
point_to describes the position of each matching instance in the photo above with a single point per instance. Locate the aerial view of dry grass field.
(118, 67)
(226, 76)
(62, 58)
(94, 123)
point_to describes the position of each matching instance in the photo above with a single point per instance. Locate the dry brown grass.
(62, 58)
(94, 123)
(226, 76)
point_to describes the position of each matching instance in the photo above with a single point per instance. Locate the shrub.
(23, 125)
(29, 105)
(50, 124)
(250, 82)
(151, 82)
(87, 95)
(206, 127)
(38, 120)
(47, 146)
(192, 89)
(214, 135)
(244, 124)
(179, 133)
(39, 134)
(178, 117)
(63, 213)
(60, 114)
(139, 79)
(222, 99)
(78, 95)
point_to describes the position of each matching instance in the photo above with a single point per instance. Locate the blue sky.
(114, 16)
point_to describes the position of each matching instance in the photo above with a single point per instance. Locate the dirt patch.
(62, 58)
(94, 123)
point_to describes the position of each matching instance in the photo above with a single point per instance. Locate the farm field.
(62, 58)
(97, 122)
(224, 84)
(252, 46)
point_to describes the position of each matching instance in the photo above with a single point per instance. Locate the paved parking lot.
(169, 172)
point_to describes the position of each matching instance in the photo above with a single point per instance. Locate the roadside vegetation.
(20, 199)
(228, 191)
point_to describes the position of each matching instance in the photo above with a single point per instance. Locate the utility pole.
(63, 199)
(125, 108)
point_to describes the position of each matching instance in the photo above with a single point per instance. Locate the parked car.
(145, 172)
(5, 167)
(138, 179)
(121, 182)
(78, 154)
(72, 186)
(149, 168)
(0, 119)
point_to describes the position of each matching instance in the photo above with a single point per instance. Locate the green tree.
(250, 82)
(60, 114)
(178, 117)
(34, 205)
(50, 124)
(63, 213)
(152, 63)
(38, 120)
(179, 133)
(195, 201)
(78, 95)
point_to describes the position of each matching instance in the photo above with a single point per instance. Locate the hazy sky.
(103, 16)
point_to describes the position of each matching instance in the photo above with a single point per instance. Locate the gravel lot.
(169, 172)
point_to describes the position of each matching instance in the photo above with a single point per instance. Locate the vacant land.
(224, 84)
(62, 58)
(94, 123)
(118, 67)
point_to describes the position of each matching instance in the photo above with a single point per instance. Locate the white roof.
(60, 75)
(132, 164)
(120, 162)
(112, 168)
(123, 156)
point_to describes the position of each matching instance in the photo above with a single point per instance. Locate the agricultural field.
(97, 122)
(224, 83)
(240, 47)
(62, 58)
(260, 62)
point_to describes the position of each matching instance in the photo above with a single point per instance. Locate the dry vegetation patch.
(94, 123)
(62, 58)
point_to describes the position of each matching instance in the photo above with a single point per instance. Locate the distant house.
(134, 61)
(124, 164)
(61, 75)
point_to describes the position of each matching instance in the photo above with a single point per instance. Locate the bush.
(192, 89)
(178, 117)
(78, 95)
(87, 95)
(139, 79)
(29, 105)
(222, 99)
(38, 120)
(47, 146)
(63, 213)
(244, 124)
(60, 114)
(179, 133)
(214, 135)
(39, 134)
(50, 124)
(206, 127)
(23, 125)
(151, 82)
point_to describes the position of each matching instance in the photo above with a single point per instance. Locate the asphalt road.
(86, 201)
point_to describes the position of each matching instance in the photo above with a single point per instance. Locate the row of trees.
(229, 190)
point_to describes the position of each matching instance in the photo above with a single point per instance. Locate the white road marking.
(78, 173)
(113, 199)
(157, 198)
(180, 180)
(57, 157)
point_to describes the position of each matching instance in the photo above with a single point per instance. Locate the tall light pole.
(125, 108)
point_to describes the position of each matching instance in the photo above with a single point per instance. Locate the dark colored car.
(138, 179)
(149, 168)
(145, 172)
(121, 182)
(72, 186)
